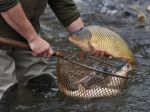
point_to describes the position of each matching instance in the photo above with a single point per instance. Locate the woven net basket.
(90, 77)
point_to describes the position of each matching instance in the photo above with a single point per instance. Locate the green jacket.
(64, 10)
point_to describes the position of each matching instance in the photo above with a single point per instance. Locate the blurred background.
(129, 18)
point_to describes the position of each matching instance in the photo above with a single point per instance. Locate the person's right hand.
(40, 47)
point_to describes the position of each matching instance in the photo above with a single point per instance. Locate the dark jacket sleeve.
(65, 11)
(7, 4)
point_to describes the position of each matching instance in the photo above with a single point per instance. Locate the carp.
(95, 92)
(113, 87)
(96, 38)
(119, 82)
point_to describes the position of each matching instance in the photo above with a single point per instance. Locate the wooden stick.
(14, 43)
(18, 44)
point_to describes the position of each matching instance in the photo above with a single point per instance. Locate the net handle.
(25, 46)
(18, 44)
(99, 71)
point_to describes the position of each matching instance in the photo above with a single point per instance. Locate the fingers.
(40, 47)
(101, 54)
(48, 52)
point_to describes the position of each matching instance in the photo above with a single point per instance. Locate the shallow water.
(109, 13)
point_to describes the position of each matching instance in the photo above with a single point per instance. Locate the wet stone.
(148, 8)
(62, 34)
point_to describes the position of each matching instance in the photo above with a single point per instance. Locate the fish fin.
(93, 46)
(141, 17)
(82, 54)
(134, 65)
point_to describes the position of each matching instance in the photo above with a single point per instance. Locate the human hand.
(40, 47)
(101, 54)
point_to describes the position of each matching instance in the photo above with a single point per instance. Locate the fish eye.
(128, 66)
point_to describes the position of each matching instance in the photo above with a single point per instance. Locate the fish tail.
(133, 63)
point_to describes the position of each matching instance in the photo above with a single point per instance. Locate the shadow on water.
(116, 15)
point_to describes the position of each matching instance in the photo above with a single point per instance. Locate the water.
(110, 13)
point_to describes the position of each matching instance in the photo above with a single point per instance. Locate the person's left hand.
(101, 54)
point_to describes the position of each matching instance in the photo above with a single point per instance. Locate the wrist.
(74, 29)
(75, 26)
(32, 36)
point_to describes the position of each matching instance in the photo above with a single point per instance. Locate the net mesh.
(89, 77)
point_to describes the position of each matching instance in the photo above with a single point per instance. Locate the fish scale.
(103, 39)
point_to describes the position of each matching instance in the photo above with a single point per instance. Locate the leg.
(8, 86)
(34, 72)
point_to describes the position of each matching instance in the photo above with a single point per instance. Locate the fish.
(95, 38)
(117, 81)
(136, 11)
(112, 88)
(141, 17)
(95, 92)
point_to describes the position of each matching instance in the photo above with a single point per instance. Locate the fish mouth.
(70, 39)
(83, 45)
(74, 40)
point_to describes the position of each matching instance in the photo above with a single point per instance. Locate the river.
(115, 14)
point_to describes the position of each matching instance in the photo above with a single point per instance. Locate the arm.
(16, 18)
(67, 13)
(75, 25)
